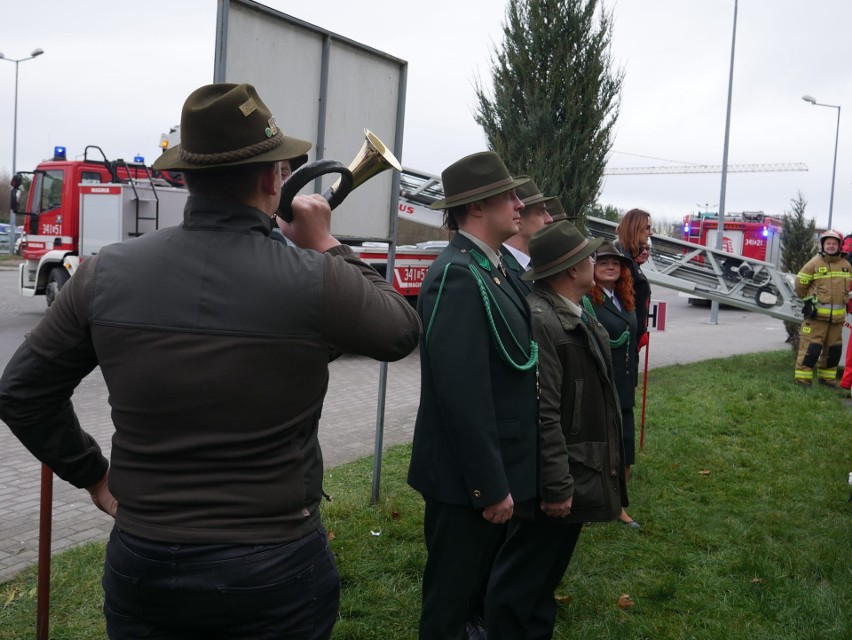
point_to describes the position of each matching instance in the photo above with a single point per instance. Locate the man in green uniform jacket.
(475, 441)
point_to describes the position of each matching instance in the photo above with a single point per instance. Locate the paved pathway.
(347, 428)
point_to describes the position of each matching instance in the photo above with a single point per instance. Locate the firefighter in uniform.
(823, 283)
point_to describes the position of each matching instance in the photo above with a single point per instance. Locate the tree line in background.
(5, 191)
(798, 245)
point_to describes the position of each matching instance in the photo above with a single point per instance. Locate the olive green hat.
(557, 247)
(556, 210)
(529, 193)
(224, 125)
(475, 177)
(608, 249)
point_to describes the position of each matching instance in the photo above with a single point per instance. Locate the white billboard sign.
(324, 88)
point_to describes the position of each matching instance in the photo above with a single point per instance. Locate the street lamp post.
(35, 53)
(720, 228)
(813, 101)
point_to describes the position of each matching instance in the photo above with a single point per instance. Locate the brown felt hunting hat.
(557, 247)
(475, 177)
(529, 193)
(225, 125)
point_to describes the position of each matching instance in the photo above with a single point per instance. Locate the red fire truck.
(73, 208)
(749, 233)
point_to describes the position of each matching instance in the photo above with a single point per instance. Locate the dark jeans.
(218, 591)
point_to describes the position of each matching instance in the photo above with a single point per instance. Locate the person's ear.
(475, 208)
(270, 180)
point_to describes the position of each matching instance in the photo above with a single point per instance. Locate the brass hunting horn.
(373, 158)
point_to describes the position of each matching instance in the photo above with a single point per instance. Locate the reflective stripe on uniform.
(830, 274)
(827, 312)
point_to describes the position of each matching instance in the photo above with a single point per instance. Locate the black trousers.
(215, 591)
(519, 604)
(462, 546)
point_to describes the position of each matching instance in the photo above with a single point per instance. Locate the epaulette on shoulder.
(461, 258)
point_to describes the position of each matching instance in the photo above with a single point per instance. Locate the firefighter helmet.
(830, 233)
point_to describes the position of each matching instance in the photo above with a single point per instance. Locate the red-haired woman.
(612, 302)
(634, 231)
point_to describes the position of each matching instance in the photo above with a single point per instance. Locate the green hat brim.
(443, 204)
(289, 149)
(569, 261)
(538, 200)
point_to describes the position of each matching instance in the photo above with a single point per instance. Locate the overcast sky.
(117, 77)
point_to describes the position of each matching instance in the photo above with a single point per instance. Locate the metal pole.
(44, 539)
(12, 221)
(644, 395)
(393, 214)
(34, 54)
(812, 100)
(15, 126)
(834, 168)
(714, 306)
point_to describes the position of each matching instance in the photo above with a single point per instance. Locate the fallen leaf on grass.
(394, 514)
(564, 599)
(757, 580)
(704, 472)
(330, 535)
(624, 601)
(13, 593)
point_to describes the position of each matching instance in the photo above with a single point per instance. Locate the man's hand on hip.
(101, 496)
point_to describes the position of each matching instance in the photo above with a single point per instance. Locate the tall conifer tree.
(554, 98)
(797, 248)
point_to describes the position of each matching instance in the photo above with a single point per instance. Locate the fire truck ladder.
(422, 188)
(713, 274)
(140, 201)
(418, 190)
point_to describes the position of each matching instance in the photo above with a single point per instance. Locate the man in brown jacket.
(214, 341)
(582, 476)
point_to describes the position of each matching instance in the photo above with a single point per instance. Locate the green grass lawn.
(742, 496)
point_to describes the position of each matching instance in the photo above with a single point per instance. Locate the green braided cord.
(485, 291)
(437, 302)
(484, 294)
(623, 339)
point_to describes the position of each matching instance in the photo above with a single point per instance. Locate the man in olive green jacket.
(582, 476)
